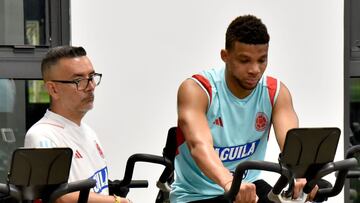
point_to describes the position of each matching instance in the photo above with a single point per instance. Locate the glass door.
(23, 102)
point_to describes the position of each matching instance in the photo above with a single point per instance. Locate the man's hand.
(246, 194)
(299, 185)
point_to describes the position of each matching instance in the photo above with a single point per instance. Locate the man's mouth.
(89, 98)
(251, 82)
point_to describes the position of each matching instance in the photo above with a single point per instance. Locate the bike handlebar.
(28, 193)
(259, 165)
(138, 184)
(286, 175)
(83, 186)
(130, 165)
(341, 166)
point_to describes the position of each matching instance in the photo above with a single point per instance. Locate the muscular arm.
(283, 117)
(192, 106)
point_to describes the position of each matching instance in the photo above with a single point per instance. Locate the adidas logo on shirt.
(218, 122)
(78, 155)
(99, 150)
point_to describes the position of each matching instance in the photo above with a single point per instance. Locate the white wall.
(145, 49)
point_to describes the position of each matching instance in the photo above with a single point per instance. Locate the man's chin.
(90, 107)
(87, 108)
(252, 88)
(248, 87)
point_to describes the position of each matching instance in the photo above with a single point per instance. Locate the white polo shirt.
(88, 160)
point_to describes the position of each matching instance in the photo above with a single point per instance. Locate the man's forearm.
(93, 198)
(210, 164)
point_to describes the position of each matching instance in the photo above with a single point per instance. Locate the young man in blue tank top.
(224, 118)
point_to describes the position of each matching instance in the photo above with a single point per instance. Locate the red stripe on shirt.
(180, 139)
(205, 83)
(272, 85)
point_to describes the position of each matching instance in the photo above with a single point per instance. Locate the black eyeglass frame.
(77, 81)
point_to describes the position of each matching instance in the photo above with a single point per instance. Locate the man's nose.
(254, 68)
(91, 86)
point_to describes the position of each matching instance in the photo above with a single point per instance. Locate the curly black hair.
(247, 29)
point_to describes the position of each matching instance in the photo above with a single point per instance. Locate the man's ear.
(224, 55)
(52, 89)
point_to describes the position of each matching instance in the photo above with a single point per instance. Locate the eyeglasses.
(82, 84)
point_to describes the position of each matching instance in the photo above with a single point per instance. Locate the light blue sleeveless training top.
(240, 130)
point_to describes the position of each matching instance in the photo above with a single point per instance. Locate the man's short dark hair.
(57, 53)
(247, 29)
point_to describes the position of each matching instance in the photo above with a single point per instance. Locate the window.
(27, 29)
(23, 102)
(352, 89)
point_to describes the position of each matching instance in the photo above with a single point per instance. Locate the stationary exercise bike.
(42, 174)
(308, 153)
(121, 187)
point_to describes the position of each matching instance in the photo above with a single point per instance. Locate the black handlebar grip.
(325, 187)
(139, 184)
(83, 186)
(341, 166)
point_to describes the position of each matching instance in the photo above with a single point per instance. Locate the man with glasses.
(70, 80)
